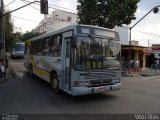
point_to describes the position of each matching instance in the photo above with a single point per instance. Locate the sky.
(146, 31)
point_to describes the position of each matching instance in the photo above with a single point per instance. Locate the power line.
(48, 14)
(146, 31)
(30, 5)
(153, 34)
(34, 7)
(10, 3)
(38, 10)
(54, 6)
(63, 8)
(25, 19)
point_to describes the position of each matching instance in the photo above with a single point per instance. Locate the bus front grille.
(100, 82)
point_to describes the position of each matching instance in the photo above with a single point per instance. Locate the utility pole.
(2, 31)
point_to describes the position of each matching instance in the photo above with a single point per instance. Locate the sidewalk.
(145, 72)
(9, 74)
(150, 72)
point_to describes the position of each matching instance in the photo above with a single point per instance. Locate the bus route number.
(93, 65)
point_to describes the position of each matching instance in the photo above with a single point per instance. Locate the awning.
(147, 52)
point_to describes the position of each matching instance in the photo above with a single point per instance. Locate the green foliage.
(28, 35)
(106, 13)
(17, 36)
(8, 32)
(11, 37)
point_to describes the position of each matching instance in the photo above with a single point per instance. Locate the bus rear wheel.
(55, 83)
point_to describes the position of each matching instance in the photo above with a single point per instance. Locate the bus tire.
(55, 83)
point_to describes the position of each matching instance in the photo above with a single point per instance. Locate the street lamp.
(155, 10)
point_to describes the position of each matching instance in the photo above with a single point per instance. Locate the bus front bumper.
(93, 90)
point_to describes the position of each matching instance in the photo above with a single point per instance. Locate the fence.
(155, 68)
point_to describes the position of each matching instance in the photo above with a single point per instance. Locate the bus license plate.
(102, 89)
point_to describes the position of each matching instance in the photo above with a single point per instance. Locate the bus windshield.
(18, 47)
(96, 53)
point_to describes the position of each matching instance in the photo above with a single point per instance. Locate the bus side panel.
(43, 65)
(35, 62)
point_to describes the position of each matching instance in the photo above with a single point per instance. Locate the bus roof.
(20, 42)
(70, 27)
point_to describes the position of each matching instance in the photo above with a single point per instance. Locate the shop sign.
(156, 47)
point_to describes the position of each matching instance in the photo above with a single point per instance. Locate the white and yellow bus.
(78, 59)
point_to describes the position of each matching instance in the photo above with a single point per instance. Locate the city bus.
(18, 50)
(77, 59)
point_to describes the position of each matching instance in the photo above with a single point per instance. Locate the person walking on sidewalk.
(2, 70)
(136, 65)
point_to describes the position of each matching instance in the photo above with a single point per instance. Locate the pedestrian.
(136, 65)
(157, 62)
(132, 63)
(6, 60)
(2, 71)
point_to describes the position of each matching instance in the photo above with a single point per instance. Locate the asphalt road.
(25, 95)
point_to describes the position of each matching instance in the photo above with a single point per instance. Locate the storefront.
(137, 52)
(156, 50)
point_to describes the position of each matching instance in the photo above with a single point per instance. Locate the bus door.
(67, 77)
(27, 56)
(67, 64)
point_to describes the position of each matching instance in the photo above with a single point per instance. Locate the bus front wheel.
(55, 83)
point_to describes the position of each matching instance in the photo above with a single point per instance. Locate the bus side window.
(40, 44)
(51, 52)
(56, 46)
(33, 48)
(46, 47)
(32, 52)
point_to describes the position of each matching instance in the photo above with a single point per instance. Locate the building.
(55, 20)
(123, 34)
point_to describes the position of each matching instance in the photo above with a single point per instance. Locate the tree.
(8, 32)
(28, 35)
(106, 13)
(10, 36)
(17, 36)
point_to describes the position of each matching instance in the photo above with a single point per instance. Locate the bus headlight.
(80, 83)
(118, 80)
(86, 82)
